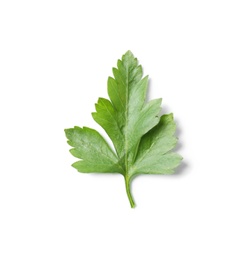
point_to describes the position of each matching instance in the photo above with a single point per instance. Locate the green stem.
(127, 185)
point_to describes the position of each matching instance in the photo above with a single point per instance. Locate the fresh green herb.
(142, 140)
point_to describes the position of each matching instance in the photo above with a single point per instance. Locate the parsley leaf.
(142, 140)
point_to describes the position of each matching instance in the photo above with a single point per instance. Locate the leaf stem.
(128, 191)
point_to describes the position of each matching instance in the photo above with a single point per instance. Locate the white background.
(55, 57)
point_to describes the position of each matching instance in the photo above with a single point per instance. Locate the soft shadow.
(148, 90)
(178, 133)
(184, 164)
(165, 109)
(181, 170)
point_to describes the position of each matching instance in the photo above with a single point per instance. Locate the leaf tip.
(94, 114)
(68, 132)
(160, 100)
(128, 53)
(170, 117)
(128, 56)
(75, 165)
(146, 78)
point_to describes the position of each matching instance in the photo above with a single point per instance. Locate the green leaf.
(142, 140)
(94, 151)
(154, 156)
